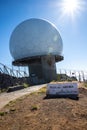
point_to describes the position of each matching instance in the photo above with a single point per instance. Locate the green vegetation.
(2, 113)
(42, 90)
(64, 77)
(85, 84)
(11, 103)
(34, 107)
(34, 93)
(25, 85)
(59, 77)
(12, 109)
(3, 90)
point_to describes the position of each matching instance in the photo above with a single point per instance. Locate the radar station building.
(36, 43)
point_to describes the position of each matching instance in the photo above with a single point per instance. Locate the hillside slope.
(36, 112)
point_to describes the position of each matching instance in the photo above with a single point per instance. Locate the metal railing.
(13, 72)
(80, 75)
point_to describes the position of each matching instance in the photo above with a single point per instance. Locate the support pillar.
(48, 68)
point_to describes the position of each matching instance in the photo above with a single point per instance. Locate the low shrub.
(2, 113)
(85, 84)
(25, 85)
(42, 90)
(34, 107)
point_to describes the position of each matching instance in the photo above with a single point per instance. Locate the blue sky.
(73, 32)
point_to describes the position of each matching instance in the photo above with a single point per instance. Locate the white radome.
(35, 37)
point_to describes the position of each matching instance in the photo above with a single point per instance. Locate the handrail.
(79, 74)
(12, 72)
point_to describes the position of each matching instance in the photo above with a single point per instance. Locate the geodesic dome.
(35, 37)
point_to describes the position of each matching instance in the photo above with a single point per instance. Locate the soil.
(36, 112)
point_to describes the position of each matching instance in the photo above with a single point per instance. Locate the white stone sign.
(69, 88)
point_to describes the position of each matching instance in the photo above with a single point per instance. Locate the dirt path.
(5, 98)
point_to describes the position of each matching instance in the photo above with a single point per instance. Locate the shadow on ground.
(60, 97)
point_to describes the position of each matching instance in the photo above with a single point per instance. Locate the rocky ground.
(36, 112)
